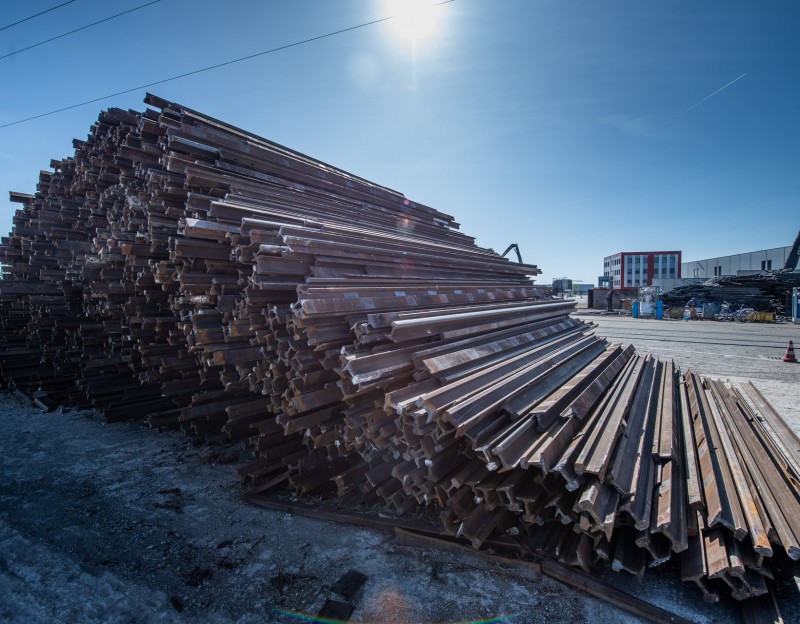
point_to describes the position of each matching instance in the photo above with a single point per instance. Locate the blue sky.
(575, 129)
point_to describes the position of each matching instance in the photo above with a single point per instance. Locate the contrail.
(713, 94)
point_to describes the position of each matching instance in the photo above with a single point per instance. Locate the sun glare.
(414, 19)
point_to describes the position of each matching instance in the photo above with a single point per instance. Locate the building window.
(769, 265)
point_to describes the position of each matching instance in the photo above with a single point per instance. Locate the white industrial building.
(633, 269)
(748, 263)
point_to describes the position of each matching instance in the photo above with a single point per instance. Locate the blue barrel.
(659, 310)
(635, 309)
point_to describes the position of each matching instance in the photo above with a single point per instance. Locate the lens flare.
(310, 618)
(404, 224)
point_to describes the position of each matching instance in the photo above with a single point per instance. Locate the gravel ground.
(120, 523)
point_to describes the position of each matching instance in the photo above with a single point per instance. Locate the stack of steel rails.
(188, 272)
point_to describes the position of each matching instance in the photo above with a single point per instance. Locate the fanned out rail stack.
(184, 270)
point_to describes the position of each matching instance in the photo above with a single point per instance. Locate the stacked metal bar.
(182, 269)
(765, 291)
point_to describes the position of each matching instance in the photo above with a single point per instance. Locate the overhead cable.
(205, 69)
(72, 32)
(30, 17)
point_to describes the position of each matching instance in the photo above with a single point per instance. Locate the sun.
(414, 19)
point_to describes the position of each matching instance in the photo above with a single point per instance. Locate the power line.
(58, 6)
(210, 67)
(72, 32)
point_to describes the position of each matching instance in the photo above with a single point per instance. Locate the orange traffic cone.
(789, 357)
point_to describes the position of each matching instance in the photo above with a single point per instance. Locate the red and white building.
(632, 269)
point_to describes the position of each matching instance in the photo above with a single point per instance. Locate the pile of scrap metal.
(764, 292)
(184, 270)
